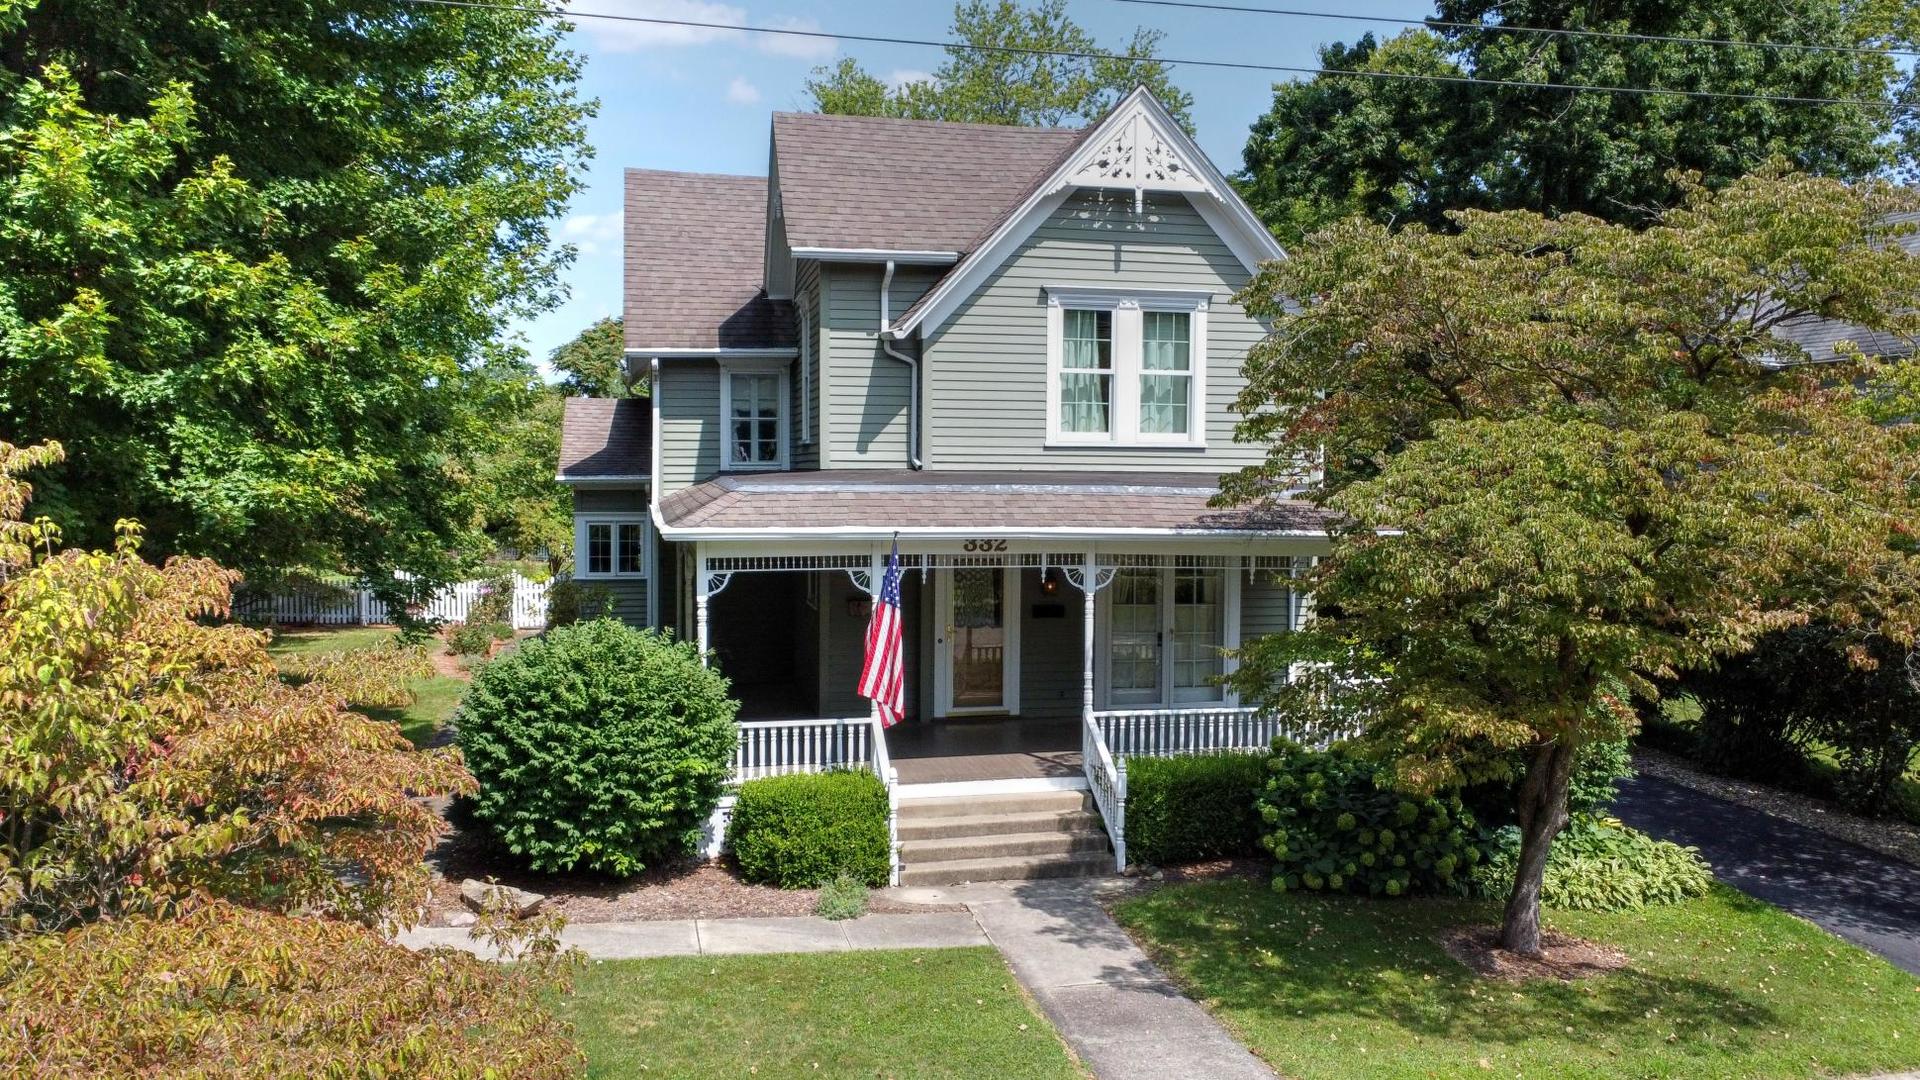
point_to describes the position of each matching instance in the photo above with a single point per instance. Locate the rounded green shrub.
(1598, 864)
(1184, 809)
(807, 829)
(597, 747)
(1332, 827)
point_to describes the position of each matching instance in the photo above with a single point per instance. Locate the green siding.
(1264, 606)
(867, 391)
(1051, 649)
(689, 423)
(986, 367)
(805, 452)
(606, 501)
(629, 598)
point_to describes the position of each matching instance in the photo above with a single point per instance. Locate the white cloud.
(742, 92)
(616, 35)
(901, 78)
(589, 232)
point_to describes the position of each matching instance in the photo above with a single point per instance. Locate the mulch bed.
(1564, 957)
(692, 890)
(1888, 836)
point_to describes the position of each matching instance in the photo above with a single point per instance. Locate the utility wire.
(1503, 28)
(1235, 65)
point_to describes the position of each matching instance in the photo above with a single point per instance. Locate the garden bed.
(705, 889)
(1339, 986)
(1898, 839)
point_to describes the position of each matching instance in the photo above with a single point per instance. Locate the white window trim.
(783, 394)
(1123, 420)
(580, 554)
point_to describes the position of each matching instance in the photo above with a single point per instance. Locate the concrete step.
(940, 828)
(1018, 845)
(1025, 802)
(960, 871)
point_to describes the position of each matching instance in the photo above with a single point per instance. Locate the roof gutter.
(913, 369)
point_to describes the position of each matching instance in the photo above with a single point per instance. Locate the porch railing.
(778, 747)
(1172, 732)
(1107, 778)
(883, 768)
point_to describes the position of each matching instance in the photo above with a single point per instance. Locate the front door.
(976, 643)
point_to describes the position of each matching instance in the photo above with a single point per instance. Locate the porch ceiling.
(884, 500)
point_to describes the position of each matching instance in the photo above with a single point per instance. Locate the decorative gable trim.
(1138, 147)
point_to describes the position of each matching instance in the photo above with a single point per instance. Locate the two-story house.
(1014, 350)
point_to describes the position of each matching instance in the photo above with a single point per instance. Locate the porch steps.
(1006, 837)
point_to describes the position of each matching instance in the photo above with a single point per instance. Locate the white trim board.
(1021, 785)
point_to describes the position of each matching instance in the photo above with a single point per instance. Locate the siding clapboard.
(689, 423)
(986, 368)
(804, 423)
(867, 391)
(1264, 606)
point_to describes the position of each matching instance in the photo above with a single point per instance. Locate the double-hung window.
(610, 546)
(1126, 368)
(753, 415)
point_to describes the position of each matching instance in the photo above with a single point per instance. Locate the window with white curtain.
(1126, 368)
(753, 415)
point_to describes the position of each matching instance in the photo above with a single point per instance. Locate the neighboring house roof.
(693, 264)
(855, 182)
(1818, 336)
(606, 439)
(883, 500)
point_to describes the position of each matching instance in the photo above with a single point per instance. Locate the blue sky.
(682, 98)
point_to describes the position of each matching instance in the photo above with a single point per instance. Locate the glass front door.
(977, 640)
(1133, 673)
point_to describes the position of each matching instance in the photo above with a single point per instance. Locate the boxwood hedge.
(808, 829)
(1184, 809)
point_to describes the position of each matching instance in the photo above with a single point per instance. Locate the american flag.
(881, 677)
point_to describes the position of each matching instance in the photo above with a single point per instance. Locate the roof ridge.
(632, 170)
(1036, 129)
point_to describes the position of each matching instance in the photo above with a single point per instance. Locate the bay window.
(1126, 368)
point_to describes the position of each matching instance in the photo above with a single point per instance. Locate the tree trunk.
(1543, 813)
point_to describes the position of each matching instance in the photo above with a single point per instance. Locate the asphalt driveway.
(1861, 895)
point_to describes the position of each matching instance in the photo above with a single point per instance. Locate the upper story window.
(1126, 368)
(753, 414)
(610, 546)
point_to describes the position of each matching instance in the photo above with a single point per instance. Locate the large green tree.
(1408, 151)
(994, 83)
(1571, 459)
(256, 260)
(593, 363)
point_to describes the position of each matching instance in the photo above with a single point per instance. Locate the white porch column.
(701, 594)
(1088, 592)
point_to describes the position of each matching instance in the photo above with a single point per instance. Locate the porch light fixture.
(1050, 580)
(860, 607)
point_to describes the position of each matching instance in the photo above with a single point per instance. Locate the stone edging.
(1893, 838)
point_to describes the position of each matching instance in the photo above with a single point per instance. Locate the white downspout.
(913, 369)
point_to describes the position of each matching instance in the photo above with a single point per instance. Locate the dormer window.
(1125, 368)
(753, 415)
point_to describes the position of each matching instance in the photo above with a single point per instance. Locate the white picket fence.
(359, 607)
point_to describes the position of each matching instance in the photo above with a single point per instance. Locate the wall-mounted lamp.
(1050, 581)
(860, 607)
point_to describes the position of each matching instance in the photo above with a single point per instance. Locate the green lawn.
(434, 696)
(1723, 986)
(923, 1013)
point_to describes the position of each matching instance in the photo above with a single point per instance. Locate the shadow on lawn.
(1294, 959)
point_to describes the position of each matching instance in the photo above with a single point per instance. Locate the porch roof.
(605, 439)
(879, 501)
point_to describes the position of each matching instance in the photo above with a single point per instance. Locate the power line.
(1608, 35)
(1235, 65)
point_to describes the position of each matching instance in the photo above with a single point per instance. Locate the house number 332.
(984, 545)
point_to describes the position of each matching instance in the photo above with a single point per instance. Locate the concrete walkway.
(1124, 1018)
(692, 937)
(1866, 897)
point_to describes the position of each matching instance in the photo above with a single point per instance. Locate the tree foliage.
(1567, 458)
(1408, 151)
(151, 759)
(256, 261)
(226, 991)
(994, 82)
(594, 362)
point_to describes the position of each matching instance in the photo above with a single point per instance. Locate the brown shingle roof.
(694, 263)
(603, 438)
(905, 185)
(885, 499)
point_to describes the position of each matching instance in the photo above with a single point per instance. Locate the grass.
(1722, 986)
(922, 1013)
(434, 696)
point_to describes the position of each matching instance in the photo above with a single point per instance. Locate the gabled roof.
(693, 264)
(606, 439)
(853, 182)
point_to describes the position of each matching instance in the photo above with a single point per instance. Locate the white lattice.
(1140, 154)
